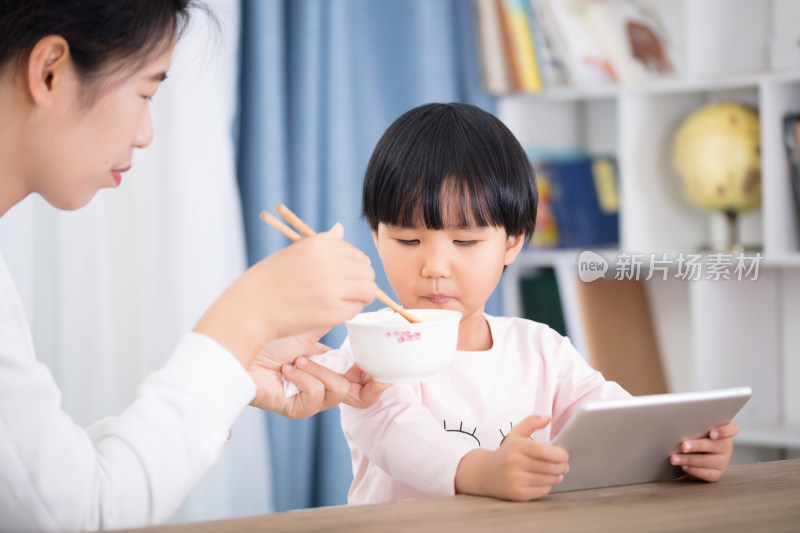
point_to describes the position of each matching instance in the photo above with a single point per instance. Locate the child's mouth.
(438, 299)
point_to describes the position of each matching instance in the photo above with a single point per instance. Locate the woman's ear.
(49, 68)
(514, 244)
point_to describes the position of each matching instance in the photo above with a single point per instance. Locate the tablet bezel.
(623, 441)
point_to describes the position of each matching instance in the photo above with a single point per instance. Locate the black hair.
(437, 152)
(98, 32)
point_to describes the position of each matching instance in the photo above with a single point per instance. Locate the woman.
(75, 85)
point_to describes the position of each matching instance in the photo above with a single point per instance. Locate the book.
(634, 39)
(586, 59)
(541, 300)
(521, 50)
(549, 47)
(515, 75)
(791, 136)
(584, 199)
(545, 234)
(527, 45)
(493, 56)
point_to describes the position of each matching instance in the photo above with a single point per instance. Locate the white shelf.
(550, 258)
(714, 83)
(711, 333)
(571, 93)
(789, 260)
(664, 86)
(542, 258)
(768, 435)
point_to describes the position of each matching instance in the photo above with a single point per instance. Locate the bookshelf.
(710, 334)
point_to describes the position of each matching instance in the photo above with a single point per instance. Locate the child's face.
(453, 268)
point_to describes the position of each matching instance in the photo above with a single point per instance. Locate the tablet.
(617, 442)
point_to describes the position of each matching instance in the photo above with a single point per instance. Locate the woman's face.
(79, 148)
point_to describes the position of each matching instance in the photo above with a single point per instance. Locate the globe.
(717, 153)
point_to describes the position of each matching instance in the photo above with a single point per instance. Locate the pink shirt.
(410, 442)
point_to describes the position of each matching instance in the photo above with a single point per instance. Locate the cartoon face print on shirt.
(472, 436)
(462, 432)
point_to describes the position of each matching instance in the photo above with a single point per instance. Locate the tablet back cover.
(618, 442)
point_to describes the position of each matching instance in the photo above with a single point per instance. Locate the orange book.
(523, 52)
(545, 234)
(508, 46)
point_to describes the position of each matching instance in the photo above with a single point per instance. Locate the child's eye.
(465, 243)
(406, 242)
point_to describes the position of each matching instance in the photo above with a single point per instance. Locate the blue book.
(585, 200)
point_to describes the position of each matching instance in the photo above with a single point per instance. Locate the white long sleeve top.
(410, 442)
(125, 471)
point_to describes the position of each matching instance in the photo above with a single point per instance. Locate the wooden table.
(762, 497)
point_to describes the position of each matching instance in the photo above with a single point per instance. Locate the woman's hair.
(103, 35)
(450, 165)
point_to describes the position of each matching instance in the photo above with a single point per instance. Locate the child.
(450, 197)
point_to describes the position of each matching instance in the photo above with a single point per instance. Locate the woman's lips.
(117, 174)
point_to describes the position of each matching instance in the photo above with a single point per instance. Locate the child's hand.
(707, 458)
(363, 390)
(520, 469)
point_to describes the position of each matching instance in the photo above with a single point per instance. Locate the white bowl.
(394, 350)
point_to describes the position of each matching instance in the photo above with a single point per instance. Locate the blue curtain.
(321, 80)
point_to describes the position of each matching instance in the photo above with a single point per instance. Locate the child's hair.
(438, 154)
(99, 32)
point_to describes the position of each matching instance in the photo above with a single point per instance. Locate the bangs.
(451, 204)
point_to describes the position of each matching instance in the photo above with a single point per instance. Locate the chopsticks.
(306, 231)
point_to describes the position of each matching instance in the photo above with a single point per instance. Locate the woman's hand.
(520, 469)
(320, 388)
(318, 282)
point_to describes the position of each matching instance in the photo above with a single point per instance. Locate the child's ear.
(514, 244)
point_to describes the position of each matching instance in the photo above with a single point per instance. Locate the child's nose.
(436, 266)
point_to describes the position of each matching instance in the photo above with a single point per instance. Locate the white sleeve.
(130, 470)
